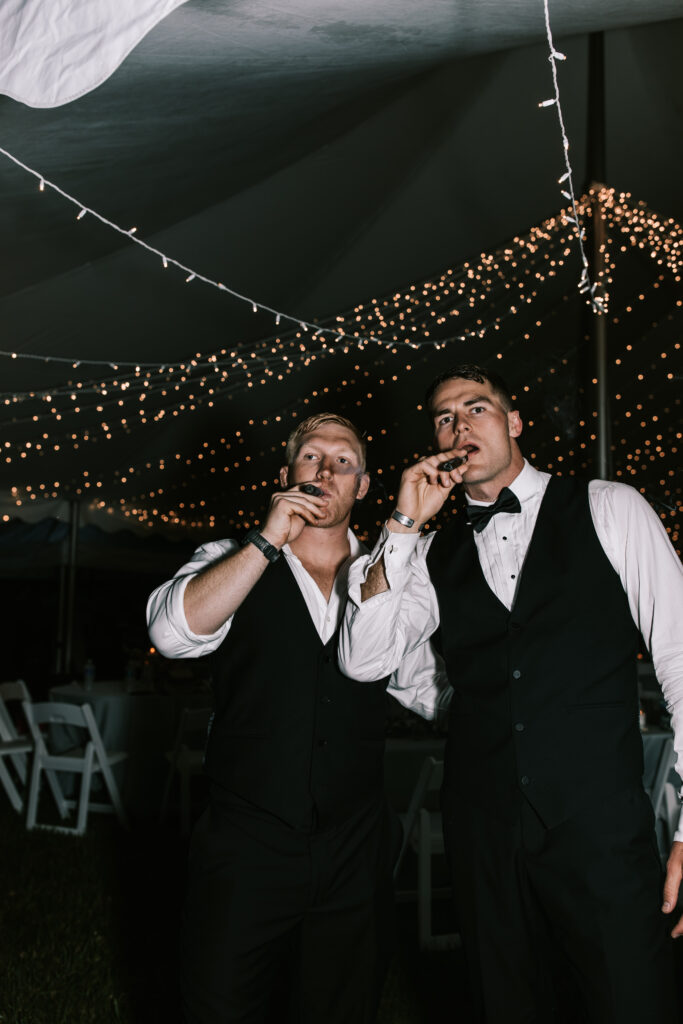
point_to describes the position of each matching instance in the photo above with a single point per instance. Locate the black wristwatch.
(265, 547)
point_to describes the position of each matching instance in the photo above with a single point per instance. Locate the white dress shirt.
(378, 633)
(418, 683)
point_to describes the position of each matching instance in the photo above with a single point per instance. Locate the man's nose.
(325, 468)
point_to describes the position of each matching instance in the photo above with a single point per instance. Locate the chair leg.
(113, 789)
(19, 762)
(33, 793)
(84, 799)
(10, 788)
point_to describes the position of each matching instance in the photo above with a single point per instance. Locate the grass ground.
(87, 925)
(88, 933)
(88, 930)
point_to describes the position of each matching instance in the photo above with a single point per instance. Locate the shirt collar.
(527, 484)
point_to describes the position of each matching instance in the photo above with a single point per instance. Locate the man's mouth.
(470, 448)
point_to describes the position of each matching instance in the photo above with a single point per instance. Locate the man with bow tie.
(535, 598)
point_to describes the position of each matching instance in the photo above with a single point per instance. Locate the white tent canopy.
(311, 157)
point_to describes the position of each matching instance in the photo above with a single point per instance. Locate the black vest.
(291, 734)
(545, 700)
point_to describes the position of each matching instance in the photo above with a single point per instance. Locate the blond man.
(293, 857)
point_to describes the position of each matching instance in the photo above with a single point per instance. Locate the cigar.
(453, 463)
(311, 489)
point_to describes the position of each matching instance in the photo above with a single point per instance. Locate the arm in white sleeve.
(377, 634)
(639, 548)
(420, 683)
(166, 622)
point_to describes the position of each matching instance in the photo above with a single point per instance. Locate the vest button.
(516, 674)
(525, 780)
(519, 726)
(515, 626)
(322, 743)
(325, 700)
(327, 658)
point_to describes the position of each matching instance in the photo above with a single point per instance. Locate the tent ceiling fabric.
(53, 54)
(310, 156)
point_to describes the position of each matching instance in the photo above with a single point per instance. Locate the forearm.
(376, 581)
(215, 594)
(396, 613)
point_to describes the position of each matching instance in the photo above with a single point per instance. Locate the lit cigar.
(311, 489)
(453, 463)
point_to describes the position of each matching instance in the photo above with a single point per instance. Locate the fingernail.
(666, 908)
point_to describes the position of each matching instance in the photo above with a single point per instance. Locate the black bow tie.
(479, 515)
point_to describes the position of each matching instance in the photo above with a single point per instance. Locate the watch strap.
(265, 547)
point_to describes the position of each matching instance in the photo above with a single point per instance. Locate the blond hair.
(307, 426)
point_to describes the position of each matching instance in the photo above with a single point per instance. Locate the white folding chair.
(187, 759)
(13, 746)
(422, 829)
(88, 759)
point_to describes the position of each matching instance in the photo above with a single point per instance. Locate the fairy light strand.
(166, 260)
(566, 179)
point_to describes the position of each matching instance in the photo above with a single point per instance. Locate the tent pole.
(599, 333)
(70, 586)
(59, 655)
(595, 156)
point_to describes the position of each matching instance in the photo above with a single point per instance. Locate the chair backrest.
(16, 690)
(61, 713)
(58, 713)
(9, 692)
(429, 779)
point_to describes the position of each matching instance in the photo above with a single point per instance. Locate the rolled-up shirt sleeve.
(639, 548)
(421, 684)
(166, 622)
(388, 634)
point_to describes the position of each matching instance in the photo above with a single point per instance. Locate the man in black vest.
(535, 596)
(292, 861)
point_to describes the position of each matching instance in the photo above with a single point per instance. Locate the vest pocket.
(610, 705)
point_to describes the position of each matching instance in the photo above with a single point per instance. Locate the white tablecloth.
(141, 723)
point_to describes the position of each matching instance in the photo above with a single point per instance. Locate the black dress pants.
(262, 895)
(584, 896)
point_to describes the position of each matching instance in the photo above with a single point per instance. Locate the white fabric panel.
(52, 53)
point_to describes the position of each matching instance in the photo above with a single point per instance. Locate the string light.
(584, 281)
(503, 298)
(167, 260)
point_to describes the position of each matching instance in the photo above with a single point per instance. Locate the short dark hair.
(470, 371)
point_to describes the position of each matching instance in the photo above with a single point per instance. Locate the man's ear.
(284, 476)
(363, 486)
(514, 423)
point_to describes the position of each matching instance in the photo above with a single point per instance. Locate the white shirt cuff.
(181, 637)
(397, 550)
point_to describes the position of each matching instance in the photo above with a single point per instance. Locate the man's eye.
(445, 419)
(479, 408)
(343, 458)
(309, 455)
